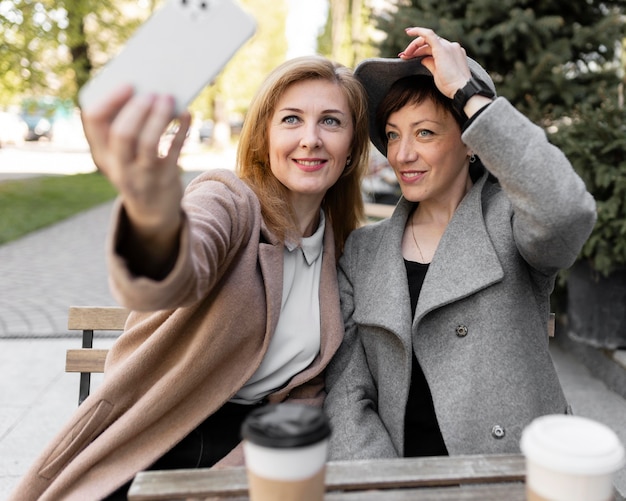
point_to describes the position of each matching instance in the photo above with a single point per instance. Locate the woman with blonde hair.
(232, 283)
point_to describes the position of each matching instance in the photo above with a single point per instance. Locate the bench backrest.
(87, 360)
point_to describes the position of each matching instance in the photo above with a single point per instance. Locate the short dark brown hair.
(414, 89)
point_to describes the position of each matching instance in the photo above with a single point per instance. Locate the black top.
(422, 436)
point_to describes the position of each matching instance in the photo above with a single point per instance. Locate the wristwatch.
(473, 86)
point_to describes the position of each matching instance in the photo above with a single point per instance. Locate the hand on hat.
(447, 61)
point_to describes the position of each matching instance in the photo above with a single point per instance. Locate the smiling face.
(310, 137)
(426, 152)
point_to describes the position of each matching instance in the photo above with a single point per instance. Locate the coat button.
(461, 330)
(497, 431)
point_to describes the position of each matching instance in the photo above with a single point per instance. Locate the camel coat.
(172, 368)
(480, 327)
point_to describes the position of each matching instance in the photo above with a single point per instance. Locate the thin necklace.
(415, 239)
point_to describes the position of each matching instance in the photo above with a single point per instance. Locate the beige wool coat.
(203, 332)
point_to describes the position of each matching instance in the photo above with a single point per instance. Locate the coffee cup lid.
(285, 425)
(572, 444)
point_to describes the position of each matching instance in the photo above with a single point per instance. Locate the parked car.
(13, 130)
(38, 126)
(39, 113)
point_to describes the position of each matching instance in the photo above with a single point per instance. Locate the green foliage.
(50, 46)
(595, 143)
(30, 204)
(543, 56)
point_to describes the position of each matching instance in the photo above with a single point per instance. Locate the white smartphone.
(178, 51)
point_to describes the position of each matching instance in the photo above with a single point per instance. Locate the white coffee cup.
(570, 458)
(285, 448)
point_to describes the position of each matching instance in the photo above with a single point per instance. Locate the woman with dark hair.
(232, 284)
(446, 303)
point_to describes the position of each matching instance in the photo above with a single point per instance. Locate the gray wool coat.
(480, 328)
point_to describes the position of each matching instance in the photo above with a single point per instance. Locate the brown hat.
(378, 75)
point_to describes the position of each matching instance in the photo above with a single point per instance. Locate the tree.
(545, 56)
(50, 47)
(346, 36)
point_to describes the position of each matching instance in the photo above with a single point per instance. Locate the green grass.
(33, 203)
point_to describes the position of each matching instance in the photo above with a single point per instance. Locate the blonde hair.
(343, 203)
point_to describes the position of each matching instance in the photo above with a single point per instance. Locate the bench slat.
(490, 492)
(85, 360)
(481, 492)
(340, 475)
(97, 318)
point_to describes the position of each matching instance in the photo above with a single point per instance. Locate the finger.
(426, 39)
(426, 33)
(155, 125)
(103, 113)
(127, 127)
(96, 120)
(184, 122)
(108, 106)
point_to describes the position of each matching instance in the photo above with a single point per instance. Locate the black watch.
(473, 86)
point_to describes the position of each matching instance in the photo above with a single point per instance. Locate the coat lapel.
(386, 302)
(271, 263)
(465, 261)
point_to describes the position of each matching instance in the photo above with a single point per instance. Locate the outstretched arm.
(123, 133)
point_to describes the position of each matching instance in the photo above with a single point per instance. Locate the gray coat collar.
(465, 262)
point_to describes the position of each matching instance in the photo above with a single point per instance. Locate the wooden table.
(458, 478)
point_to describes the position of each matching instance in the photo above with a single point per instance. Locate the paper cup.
(570, 458)
(285, 448)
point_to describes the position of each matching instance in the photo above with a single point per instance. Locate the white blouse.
(296, 341)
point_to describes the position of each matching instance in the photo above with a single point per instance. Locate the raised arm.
(123, 132)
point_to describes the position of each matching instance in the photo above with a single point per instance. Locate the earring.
(349, 161)
(472, 158)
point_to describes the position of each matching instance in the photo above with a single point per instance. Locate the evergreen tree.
(545, 56)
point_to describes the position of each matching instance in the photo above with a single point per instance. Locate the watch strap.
(473, 87)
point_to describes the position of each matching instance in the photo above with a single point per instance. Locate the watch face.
(474, 86)
(483, 88)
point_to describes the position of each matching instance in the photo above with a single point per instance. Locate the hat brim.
(378, 75)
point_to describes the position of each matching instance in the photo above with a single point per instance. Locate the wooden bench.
(88, 360)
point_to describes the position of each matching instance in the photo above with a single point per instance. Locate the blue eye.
(391, 135)
(291, 119)
(331, 121)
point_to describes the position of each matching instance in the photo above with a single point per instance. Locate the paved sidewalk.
(49, 270)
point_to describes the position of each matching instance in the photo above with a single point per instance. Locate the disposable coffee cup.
(570, 458)
(285, 448)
